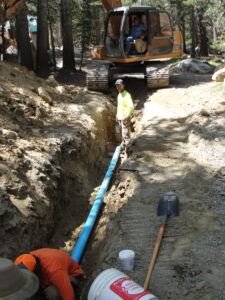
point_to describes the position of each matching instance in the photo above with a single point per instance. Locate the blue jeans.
(127, 45)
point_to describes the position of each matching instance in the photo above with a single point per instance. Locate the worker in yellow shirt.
(125, 108)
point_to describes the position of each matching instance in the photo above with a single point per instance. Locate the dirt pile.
(52, 139)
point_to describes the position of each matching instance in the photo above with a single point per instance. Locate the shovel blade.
(168, 205)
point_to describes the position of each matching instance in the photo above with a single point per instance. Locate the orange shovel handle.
(154, 256)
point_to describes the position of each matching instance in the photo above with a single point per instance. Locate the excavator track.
(98, 76)
(157, 76)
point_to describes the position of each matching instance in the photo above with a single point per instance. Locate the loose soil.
(54, 156)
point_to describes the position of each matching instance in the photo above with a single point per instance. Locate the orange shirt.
(56, 267)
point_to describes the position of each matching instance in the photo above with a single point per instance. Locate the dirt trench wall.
(51, 158)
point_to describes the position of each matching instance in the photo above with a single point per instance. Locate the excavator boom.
(110, 4)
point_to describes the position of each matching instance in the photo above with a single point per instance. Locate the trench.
(77, 191)
(77, 188)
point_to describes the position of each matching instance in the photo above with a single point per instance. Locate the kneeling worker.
(58, 273)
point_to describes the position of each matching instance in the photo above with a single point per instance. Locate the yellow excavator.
(111, 61)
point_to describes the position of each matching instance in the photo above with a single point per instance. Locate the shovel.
(168, 206)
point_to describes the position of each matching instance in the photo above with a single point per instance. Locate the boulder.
(219, 75)
(8, 134)
(44, 95)
(60, 89)
(52, 81)
(195, 66)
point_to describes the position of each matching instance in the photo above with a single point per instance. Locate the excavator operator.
(137, 31)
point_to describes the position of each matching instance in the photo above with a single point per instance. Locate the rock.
(44, 95)
(52, 81)
(219, 76)
(19, 112)
(60, 89)
(204, 113)
(36, 122)
(221, 172)
(200, 285)
(221, 66)
(195, 66)
(9, 134)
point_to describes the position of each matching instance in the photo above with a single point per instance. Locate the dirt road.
(178, 146)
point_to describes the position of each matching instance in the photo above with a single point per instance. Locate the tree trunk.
(42, 37)
(203, 39)
(193, 32)
(52, 45)
(214, 33)
(3, 30)
(183, 29)
(52, 40)
(181, 21)
(67, 35)
(23, 39)
(96, 30)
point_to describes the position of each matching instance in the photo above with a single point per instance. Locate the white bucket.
(126, 260)
(112, 284)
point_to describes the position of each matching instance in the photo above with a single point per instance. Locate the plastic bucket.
(126, 260)
(112, 284)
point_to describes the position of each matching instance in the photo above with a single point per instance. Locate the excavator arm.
(115, 21)
(110, 4)
(8, 8)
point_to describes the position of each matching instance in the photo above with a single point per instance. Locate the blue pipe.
(86, 231)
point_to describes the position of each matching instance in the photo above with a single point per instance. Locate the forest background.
(66, 29)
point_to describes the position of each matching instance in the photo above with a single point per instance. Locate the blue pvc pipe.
(86, 231)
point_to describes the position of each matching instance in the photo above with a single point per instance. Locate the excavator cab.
(144, 57)
(158, 37)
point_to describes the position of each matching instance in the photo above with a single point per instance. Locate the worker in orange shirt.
(58, 273)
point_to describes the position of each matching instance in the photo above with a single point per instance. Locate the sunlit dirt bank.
(53, 141)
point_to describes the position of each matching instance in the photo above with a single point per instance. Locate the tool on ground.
(168, 206)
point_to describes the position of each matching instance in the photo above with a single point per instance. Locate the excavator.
(110, 60)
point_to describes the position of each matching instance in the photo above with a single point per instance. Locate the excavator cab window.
(112, 38)
(165, 24)
(160, 33)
